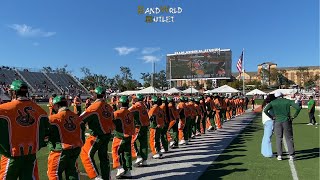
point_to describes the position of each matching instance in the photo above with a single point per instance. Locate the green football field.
(242, 159)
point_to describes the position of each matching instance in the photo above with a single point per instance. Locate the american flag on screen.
(239, 63)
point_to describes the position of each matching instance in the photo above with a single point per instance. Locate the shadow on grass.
(220, 167)
(307, 154)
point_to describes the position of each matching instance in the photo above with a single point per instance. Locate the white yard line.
(291, 163)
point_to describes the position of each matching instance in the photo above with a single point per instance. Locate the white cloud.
(125, 50)
(28, 31)
(150, 50)
(149, 58)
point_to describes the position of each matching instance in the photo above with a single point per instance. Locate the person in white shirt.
(266, 146)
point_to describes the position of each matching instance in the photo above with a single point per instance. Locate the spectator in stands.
(311, 110)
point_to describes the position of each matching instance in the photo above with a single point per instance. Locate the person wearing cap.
(77, 104)
(311, 110)
(210, 125)
(182, 122)
(218, 107)
(156, 117)
(173, 124)
(283, 122)
(99, 119)
(121, 144)
(192, 118)
(50, 104)
(141, 121)
(24, 127)
(65, 141)
(163, 135)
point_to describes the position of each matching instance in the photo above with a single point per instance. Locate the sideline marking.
(291, 163)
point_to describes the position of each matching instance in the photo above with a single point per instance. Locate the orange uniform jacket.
(191, 110)
(198, 110)
(163, 108)
(140, 114)
(124, 122)
(23, 126)
(66, 132)
(173, 113)
(156, 117)
(99, 117)
(217, 104)
(182, 110)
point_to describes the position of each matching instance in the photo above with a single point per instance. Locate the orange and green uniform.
(192, 119)
(23, 126)
(141, 121)
(121, 145)
(210, 112)
(204, 116)
(182, 122)
(173, 124)
(224, 108)
(99, 119)
(228, 108)
(218, 108)
(65, 141)
(156, 117)
(199, 116)
(77, 105)
(164, 130)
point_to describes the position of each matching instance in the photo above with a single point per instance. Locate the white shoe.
(171, 143)
(139, 160)
(279, 158)
(120, 172)
(210, 128)
(156, 156)
(193, 136)
(182, 142)
(162, 150)
(291, 158)
(98, 178)
(316, 124)
(310, 124)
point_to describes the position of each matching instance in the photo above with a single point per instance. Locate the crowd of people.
(161, 122)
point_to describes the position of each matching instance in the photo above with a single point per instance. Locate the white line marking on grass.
(291, 163)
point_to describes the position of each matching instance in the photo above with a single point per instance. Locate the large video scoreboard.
(199, 64)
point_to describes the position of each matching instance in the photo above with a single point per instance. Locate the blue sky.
(104, 35)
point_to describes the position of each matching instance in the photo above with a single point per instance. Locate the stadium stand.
(42, 85)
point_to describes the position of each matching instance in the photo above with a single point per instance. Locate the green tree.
(146, 77)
